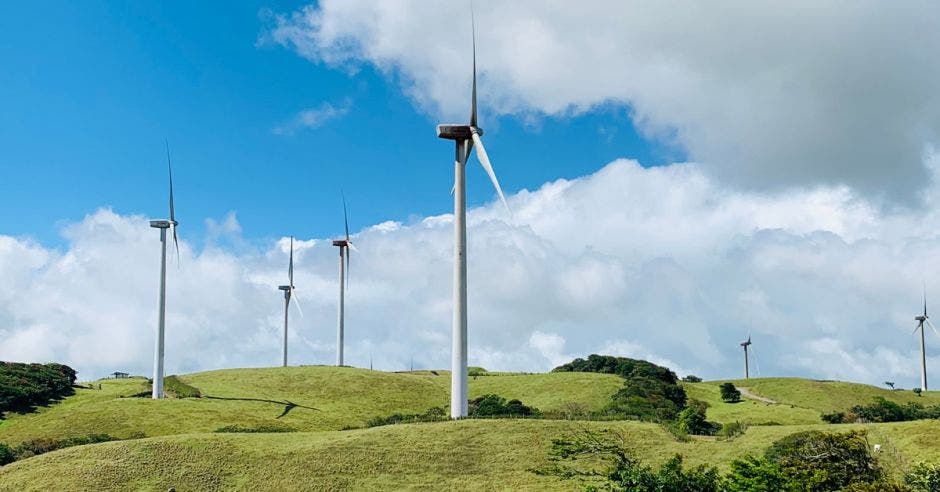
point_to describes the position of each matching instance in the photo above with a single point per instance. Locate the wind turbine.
(921, 321)
(464, 137)
(746, 344)
(344, 246)
(163, 225)
(288, 295)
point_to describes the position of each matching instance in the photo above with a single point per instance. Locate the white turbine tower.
(288, 296)
(464, 137)
(344, 246)
(163, 225)
(921, 321)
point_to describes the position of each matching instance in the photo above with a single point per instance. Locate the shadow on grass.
(288, 405)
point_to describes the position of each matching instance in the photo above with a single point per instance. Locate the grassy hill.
(327, 398)
(474, 454)
(796, 401)
(486, 454)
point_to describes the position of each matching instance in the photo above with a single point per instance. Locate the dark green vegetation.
(649, 392)
(729, 394)
(24, 387)
(805, 461)
(497, 406)
(175, 387)
(882, 410)
(263, 428)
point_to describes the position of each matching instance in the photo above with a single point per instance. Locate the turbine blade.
(290, 265)
(169, 167)
(485, 162)
(347, 265)
(473, 94)
(932, 327)
(916, 328)
(352, 246)
(925, 298)
(176, 242)
(345, 217)
(293, 298)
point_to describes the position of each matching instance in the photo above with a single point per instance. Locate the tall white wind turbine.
(464, 137)
(344, 245)
(921, 321)
(163, 225)
(746, 344)
(288, 296)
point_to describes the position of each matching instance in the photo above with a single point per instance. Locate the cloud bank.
(836, 93)
(660, 263)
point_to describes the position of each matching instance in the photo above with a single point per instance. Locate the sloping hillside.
(474, 454)
(314, 397)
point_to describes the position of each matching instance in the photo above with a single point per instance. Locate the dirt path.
(745, 392)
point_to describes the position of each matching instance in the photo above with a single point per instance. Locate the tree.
(692, 378)
(729, 394)
(918, 391)
(825, 461)
(692, 420)
(889, 384)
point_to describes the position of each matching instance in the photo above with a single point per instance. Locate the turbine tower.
(921, 321)
(163, 225)
(288, 295)
(746, 344)
(464, 137)
(344, 246)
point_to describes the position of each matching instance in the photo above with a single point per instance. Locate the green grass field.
(183, 452)
(328, 398)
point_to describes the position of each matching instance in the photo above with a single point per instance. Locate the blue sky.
(91, 89)
(778, 175)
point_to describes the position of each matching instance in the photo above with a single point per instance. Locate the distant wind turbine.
(288, 296)
(746, 344)
(921, 321)
(465, 137)
(344, 246)
(163, 225)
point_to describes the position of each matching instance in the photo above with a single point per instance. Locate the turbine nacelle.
(163, 224)
(341, 242)
(920, 318)
(457, 132)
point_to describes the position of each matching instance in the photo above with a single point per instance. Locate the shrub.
(691, 378)
(692, 420)
(44, 445)
(433, 414)
(825, 461)
(729, 394)
(918, 391)
(834, 417)
(731, 430)
(923, 477)
(6, 454)
(262, 428)
(175, 386)
(476, 371)
(497, 406)
(752, 474)
(23, 387)
(882, 410)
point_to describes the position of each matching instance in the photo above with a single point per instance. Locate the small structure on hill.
(119, 375)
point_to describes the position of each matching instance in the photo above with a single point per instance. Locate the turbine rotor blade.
(290, 265)
(293, 298)
(485, 162)
(169, 167)
(473, 94)
(932, 327)
(345, 217)
(175, 242)
(347, 264)
(919, 324)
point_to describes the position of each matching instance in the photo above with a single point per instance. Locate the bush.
(923, 477)
(23, 387)
(497, 406)
(6, 454)
(834, 417)
(753, 474)
(44, 445)
(262, 428)
(825, 461)
(433, 414)
(692, 420)
(691, 378)
(729, 394)
(731, 430)
(882, 410)
(476, 371)
(175, 386)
